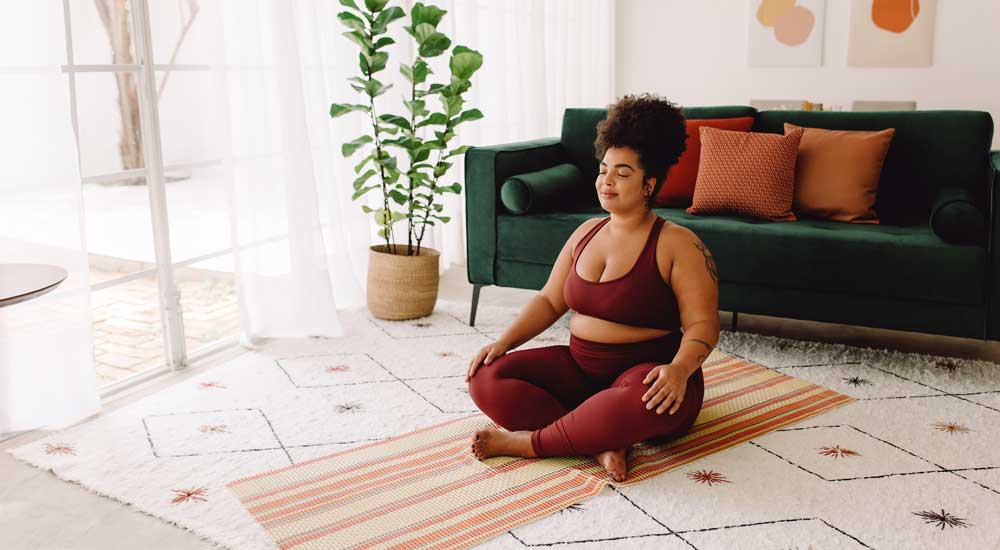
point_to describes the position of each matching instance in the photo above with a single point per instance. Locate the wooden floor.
(37, 510)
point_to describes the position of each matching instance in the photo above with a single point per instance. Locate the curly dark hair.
(650, 125)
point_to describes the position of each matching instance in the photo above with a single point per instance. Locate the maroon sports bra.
(640, 297)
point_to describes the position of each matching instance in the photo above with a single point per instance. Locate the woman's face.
(619, 184)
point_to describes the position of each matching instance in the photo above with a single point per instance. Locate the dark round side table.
(21, 282)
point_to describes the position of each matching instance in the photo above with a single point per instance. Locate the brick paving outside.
(128, 335)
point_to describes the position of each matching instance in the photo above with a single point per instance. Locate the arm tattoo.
(713, 270)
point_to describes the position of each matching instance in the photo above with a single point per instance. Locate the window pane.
(208, 300)
(128, 334)
(182, 31)
(32, 34)
(119, 229)
(188, 116)
(102, 32)
(108, 122)
(198, 209)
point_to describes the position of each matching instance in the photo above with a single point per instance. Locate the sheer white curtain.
(47, 375)
(282, 63)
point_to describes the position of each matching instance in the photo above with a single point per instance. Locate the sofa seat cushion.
(821, 255)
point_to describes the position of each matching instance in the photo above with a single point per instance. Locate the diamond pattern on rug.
(754, 494)
(344, 500)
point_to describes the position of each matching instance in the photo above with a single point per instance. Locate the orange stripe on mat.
(351, 502)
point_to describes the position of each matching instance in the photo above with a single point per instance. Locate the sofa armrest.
(993, 247)
(956, 218)
(486, 168)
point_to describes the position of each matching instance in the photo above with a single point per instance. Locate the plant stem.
(423, 226)
(378, 157)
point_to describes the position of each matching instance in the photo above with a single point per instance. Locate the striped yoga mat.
(424, 489)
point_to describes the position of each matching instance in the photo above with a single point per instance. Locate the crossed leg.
(553, 409)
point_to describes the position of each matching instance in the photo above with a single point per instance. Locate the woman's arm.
(548, 305)
(695, 280)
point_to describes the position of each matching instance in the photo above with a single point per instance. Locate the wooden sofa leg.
(475, 304)
(735, 317)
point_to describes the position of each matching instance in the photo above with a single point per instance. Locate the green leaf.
(420, 72)
(435, 45)
(384, 232)
(391, 130)
(383, 42)
(352, 21)
(363, 63)
(383, 19)
(438, 207)
(382, 216)
(453, 105)
(362, 191)
(426, 14)
(440, 169)
(443, 137)
(378, 61)
(464, 62)
(397, 196)
(422, 154)
(395, 120)
(448, 188)
(387, 161)
(350, 147)
(459, 151)
(459, 86)
(422, 31)
(359, 38)
(396, 216)
(416, 107)
(364, 161)
(436, 88)
(375, 5)
(376, 88)
(337, 109)
(349, 4)
(471, 114)
(363, 178)
(366, 209)
(436, 118)
(444, 219)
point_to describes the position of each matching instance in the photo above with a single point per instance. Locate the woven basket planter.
(400, 286)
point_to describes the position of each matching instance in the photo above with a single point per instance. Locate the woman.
(633, 280)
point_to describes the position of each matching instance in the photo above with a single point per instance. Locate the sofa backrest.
(579, 130)
(929, 149)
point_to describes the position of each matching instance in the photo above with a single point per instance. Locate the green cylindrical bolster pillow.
(541, 191)
(956, 219)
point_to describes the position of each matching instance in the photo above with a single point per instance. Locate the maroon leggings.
(584, 398)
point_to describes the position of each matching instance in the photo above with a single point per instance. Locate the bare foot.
(493, 442)
(615, 462)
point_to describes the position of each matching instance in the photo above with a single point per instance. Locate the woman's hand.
(669, 387)
(490, 351)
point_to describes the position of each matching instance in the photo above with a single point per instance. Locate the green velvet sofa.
(929, 267)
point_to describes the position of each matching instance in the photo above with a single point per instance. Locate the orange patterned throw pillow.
(749, 174)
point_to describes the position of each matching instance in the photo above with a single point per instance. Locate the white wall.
(694, 53)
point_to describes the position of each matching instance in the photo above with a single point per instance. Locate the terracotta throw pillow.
(837, 173)
(679, 187)
(749, 174)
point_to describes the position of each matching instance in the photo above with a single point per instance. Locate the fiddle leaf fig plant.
(408, 192)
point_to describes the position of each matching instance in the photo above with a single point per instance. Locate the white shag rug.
(915, 463)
